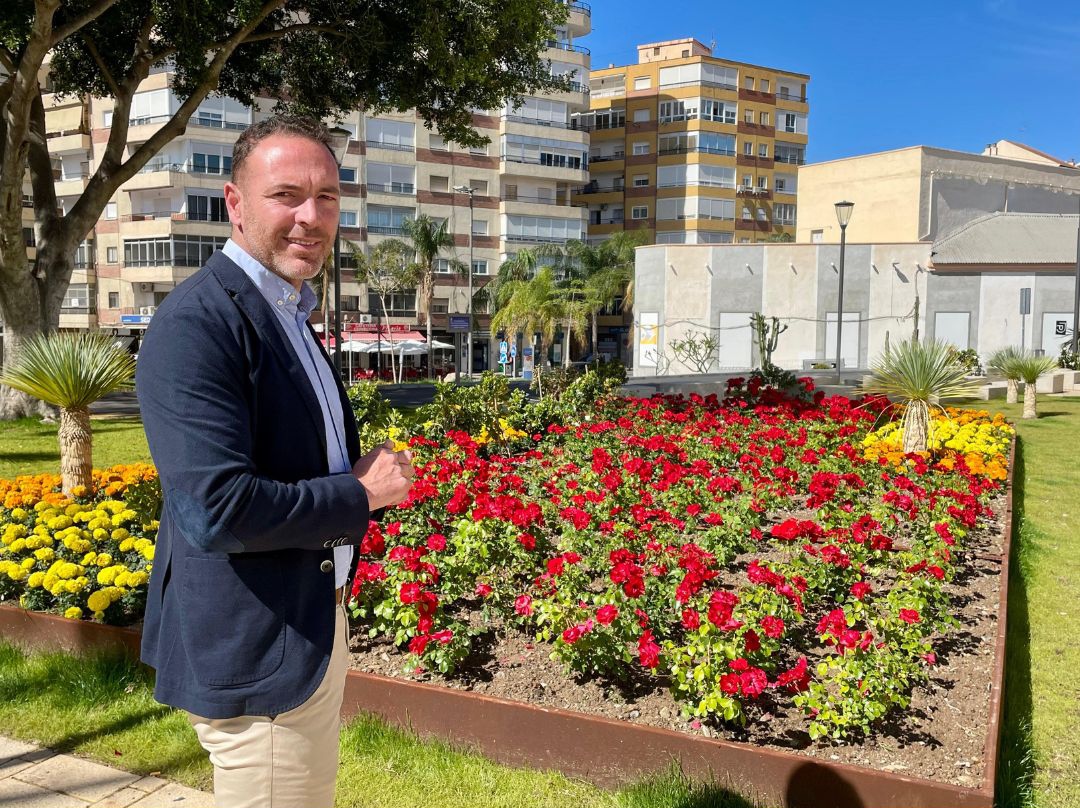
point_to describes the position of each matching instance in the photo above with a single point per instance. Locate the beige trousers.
(289, 761)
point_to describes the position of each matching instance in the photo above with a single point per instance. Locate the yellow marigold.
(120, 533)
(98, 602)
(103, 560)
(27, 564)
(138, 579)
(126, 545)
(79, 491)
(44, 554)
(19, 513)
(35, 580)
(73, 613)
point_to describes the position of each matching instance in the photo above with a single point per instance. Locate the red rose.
(753, 682)
(910, 616)
(409, 592)
(418, 644)
(772, 627)
(690, 619)
(860, 589)
(729, 683)
(436, 542)
(523, 605)
(483, 590)
(648, 650)
(443, 637)
(751, 642)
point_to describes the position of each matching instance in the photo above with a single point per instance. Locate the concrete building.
(920, 193)
(694, 148)
(1002, 279)
(162, 224)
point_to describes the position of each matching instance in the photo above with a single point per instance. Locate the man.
(266, 492)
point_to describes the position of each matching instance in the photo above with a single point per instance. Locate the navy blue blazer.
(240, 610)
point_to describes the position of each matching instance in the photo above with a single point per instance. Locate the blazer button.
(327, 566)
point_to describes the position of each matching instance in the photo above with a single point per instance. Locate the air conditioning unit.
(147, 311)
(146, 287)
(365, 318)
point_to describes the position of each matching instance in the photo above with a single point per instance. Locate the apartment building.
(163, 223)
(694, 148)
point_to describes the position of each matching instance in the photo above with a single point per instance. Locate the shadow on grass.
(674, 790)
(1016, 763)
(28, 457)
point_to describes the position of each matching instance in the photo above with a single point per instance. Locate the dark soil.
(941, 737)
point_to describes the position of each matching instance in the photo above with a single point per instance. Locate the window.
(438, 183)
(684, 110)
(763, 119)
(150, 107)
(642, 82)
(544, 151)
(763, 182)
(480, 187)
(84, 254)
(748, 181)
(390, 178)
(479, 150)
(671, 209)
(641, 116)
(387, 221)
(685, 53)
(348, 218)
(437, 143)
(543, 111)
(347, 174)
(350, 302)
(641, 148)
(747, 214)
(748, 82)
(762, 215)
(792, 122)
(785, 183)
(77, 296)
(641, 180)
(710, 208)
(720, 76)
(28, 237)
(719, 111)
(639, 212)
(114, 299)
(210, 163)
(748, 147)
(817, 236)
(205, 208)
(763, 85)
(784, 214)
(763, 150)
(386, 134)
(748, 115)
(542, 228)
(398, 304)
(111, 256)
(106, 118)
(480, 266)
(680, 75)
(480, 227)
(442, 266)
(792, 153)
(110, 210)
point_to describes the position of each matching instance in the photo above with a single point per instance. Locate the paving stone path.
(34, 777)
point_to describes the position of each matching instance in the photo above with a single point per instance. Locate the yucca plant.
(1030, 368)
(920, 374)
(1004, 362)
(71, 371)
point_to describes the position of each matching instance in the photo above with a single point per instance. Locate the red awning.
(368, 337)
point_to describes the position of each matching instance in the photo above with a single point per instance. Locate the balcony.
(537, 122)
(554, 44)
(783, 95)
(560, 201)
(605, 158)
(577, 5)
(385, 230)
(378, 144)
(752, 224)
(217, 123)
(791, 159)
(754, 161)
(755, 193)
(400, 188)
(696, 150)
(593, 188)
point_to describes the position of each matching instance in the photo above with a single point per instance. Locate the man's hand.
(385, 474)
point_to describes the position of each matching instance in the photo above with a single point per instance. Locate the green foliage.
(1004, 362)
(145, 498)
(1031, 367)
(767, 333)
(69, 370)
(918, 371)
(967, 359)
(1068, 359)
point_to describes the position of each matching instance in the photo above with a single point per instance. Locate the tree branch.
(7, 59)
(279, 33)
(91, 14)
(114, 88)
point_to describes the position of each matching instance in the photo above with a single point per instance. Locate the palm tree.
(529, 305)
(919, 373)
(607, 270)
(428, 238)
(71, 371)
(1004, 363)
(1030, 368)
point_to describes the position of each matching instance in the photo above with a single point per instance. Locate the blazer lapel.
(254, 305)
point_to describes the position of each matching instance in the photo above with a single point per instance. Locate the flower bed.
(751, 556)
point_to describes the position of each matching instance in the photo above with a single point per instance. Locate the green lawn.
(28, 446)
(103, 707)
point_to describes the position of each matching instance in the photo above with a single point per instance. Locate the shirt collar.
(278, 292)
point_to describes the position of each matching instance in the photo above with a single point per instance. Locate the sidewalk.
(33, 777)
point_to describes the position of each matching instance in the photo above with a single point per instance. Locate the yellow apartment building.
(694, 148)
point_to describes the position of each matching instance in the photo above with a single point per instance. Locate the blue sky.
(956, 74)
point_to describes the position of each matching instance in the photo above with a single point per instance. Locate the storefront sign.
(648, 338)
(459, 322)
(527, 362)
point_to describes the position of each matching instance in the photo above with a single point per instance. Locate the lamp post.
(843, 216)
(340, 137)
(465, 189)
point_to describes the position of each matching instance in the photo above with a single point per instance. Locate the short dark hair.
(291, 125)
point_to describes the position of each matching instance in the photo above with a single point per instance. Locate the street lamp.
(843, 216)
(340, 138)
(465, 189)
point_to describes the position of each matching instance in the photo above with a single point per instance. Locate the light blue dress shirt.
(293, 309)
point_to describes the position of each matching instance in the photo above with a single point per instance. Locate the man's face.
(285, 204)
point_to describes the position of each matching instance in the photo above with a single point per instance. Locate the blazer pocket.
(231, 622)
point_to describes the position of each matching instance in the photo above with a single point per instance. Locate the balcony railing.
(696, 150)
(554, 44)
(150, 119)
(392, 188)
(386, 230)
(600, 189)
(723, 85)
(536, 200)
(604, 158)
(183, 168)
(536, 239)
(577, 5)
(786, 96)
(378, 144)
(791, 159)
(608, 220)
(537, 121)
(217, 123)
(576, 123)
(516, 158)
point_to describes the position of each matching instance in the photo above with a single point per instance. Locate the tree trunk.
(1030, 395)
(916, 427)
(1011, 391)
(76, 460)
(28, 308)
(566, 345)
(595, 332)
